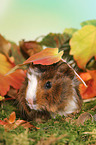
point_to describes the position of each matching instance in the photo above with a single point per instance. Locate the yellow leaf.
(1, 98)
(83, 45)
(5, 66)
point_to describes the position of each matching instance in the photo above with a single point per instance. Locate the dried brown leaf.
(5, 46)
(29, 48)
(84, 117)
(11, 123)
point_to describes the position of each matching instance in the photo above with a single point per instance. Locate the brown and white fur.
(53, 89)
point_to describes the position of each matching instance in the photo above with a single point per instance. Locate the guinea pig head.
(53, 88)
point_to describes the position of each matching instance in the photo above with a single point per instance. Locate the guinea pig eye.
(48, 85)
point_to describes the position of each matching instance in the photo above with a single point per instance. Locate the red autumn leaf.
(12, 117)
(15, 79)
(11, 123)
(90, 79)
(86, 76)
(18, 123)
(47, 56)
(4, 85)
(28, 125)
(3, 122)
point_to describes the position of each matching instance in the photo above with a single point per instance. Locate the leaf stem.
(75, 72)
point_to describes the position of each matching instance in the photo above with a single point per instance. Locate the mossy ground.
(54, 131)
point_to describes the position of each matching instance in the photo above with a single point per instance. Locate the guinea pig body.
(52, 88)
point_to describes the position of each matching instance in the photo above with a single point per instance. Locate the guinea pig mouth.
(34, 107)
(31, 103)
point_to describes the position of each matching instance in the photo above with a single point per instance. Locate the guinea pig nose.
(34, 101)
(30, 101)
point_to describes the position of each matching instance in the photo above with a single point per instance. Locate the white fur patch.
(71, 107)
(31, 89)
(72, 104)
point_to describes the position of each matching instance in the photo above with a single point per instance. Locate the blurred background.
(28, 19)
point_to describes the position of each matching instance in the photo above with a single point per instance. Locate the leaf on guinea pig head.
(47, 56)
(83, 45)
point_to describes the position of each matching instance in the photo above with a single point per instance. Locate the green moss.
(54, 131)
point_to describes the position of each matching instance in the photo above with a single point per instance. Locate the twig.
(75, 72)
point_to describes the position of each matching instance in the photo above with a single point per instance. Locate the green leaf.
(16, 53)
(55, 40)
(83, 45)
(70, 31)
(89, 22)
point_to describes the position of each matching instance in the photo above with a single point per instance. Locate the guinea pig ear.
(66, 70)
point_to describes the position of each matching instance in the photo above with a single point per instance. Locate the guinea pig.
(50, 88)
